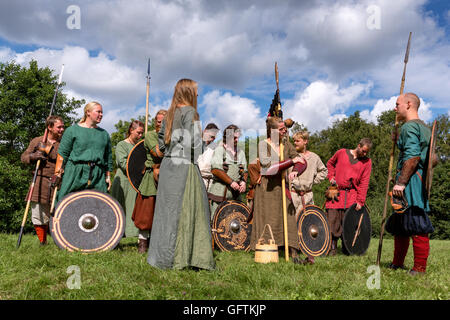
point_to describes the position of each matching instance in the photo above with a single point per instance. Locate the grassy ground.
(34, 272)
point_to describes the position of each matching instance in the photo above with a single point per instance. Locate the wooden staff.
(148, 93)
(283, 182)
(38, 163)
(391, 158)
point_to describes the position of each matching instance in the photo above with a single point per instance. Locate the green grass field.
(35, 272)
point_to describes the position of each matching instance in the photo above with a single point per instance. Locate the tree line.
(27, 92)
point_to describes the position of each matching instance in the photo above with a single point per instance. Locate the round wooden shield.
(357, 230)
(136, 164)
(87, 221)
(314, 235)
(230, 228)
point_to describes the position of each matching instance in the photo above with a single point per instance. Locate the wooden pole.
(148, 93)
(391, 157)
(283, 182)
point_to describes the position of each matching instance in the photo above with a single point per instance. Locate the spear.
(148, 92)
(283, 183)
(38, 163)
(391, 158)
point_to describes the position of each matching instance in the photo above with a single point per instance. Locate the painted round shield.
(230, 228)
(87, 221)
(136, 164)
(314, 235)
(357, 230)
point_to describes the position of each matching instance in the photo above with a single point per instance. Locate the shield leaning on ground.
(431, 157)
(314, 235)
(357, 230)
(87, 221)
(230, 229)
(136, 165)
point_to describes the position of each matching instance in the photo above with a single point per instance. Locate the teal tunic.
(217, 188)
(121, 188)
(148, 186)
(78, 147)
(413, 142)
(181, 233)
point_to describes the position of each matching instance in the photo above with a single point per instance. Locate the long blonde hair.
(185, 93)
(89, 107)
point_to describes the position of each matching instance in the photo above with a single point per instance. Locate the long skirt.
(181, 232)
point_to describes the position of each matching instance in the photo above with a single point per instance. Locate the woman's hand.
(108, 181)
(293, 175)
(234, 185)
(242, 186)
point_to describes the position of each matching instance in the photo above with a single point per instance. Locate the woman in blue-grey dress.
(181, 233)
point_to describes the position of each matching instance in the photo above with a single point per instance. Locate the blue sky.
(333, 57)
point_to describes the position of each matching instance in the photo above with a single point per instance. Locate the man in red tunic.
(350, 171)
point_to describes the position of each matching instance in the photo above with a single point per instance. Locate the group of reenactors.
(80, 158)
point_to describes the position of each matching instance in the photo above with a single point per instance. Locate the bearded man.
(349, 170)
(47, 154)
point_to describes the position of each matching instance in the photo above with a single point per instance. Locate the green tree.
(440, 191)
(26, 94)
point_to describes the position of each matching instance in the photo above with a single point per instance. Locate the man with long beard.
(349, 169)
(229, 169)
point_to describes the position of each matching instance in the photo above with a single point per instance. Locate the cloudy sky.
(334, 57)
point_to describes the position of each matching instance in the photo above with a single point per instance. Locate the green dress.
(217, 188)
(80, 146)
(121, 188)
(181, 232)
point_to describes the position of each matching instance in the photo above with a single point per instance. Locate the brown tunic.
(41, 192)
(268, 203)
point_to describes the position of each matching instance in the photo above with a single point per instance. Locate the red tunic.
(345, 170)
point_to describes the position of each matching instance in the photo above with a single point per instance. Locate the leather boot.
(333, 249)
(143, 245)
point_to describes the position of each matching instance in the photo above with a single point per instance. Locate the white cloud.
(322, 102)
(232, 45)
(384, 105)
(117, 87)
(225, 109)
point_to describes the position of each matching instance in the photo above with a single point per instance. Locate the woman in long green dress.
(121, 188)
(86, 150)
(181, 233)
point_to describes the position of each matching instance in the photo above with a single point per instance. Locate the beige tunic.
(268, 206)
(315, 173)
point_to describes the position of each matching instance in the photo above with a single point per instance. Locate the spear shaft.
(391, 157)
(283, 182)
(148, 93)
